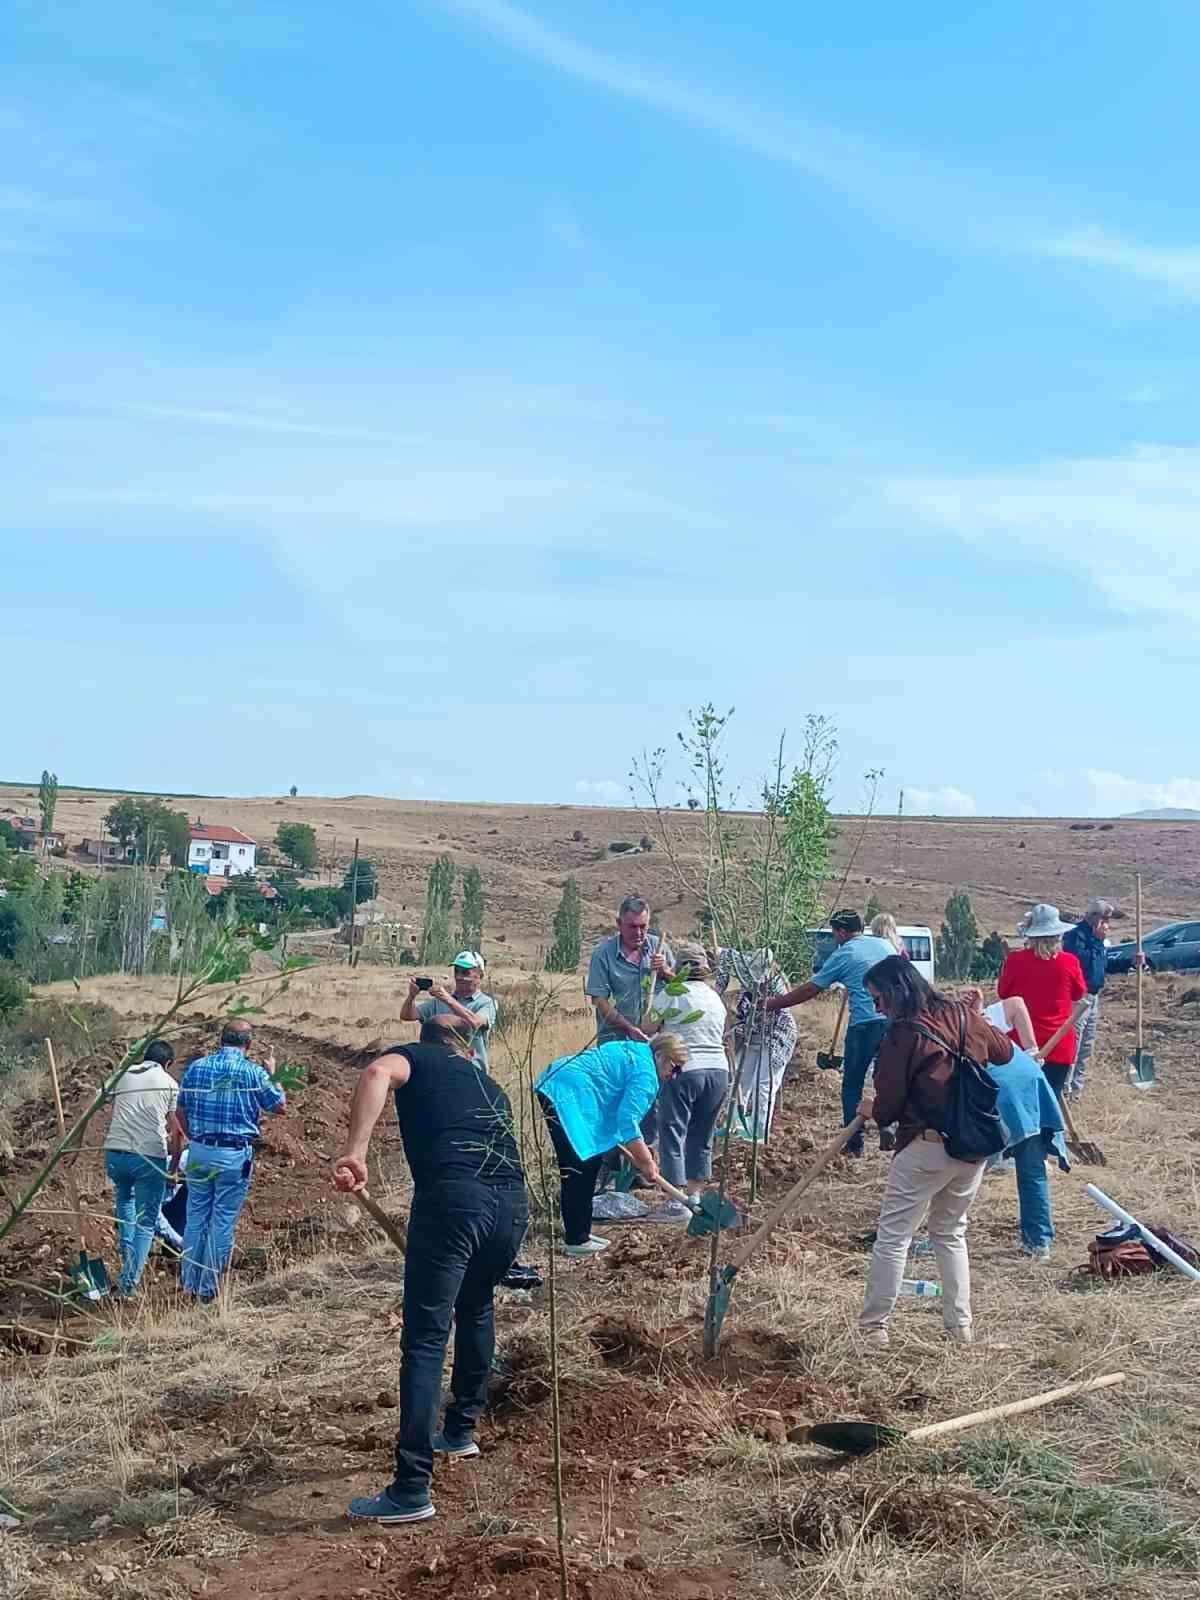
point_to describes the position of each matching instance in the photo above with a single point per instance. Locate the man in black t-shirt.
(469, 1214)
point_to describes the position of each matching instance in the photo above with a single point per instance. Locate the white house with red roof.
(219, 852)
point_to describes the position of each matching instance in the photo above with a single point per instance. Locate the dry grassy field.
(160, 1449)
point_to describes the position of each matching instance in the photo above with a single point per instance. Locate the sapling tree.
(298, 842)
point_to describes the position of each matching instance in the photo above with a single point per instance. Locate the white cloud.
(944, 802)
(1145, 394)
(1094, 791)
(1129, 523)
(1173, 268)
(602, 791)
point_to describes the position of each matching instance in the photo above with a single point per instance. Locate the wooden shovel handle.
(68, 1164)
(661, 1183)
(1014, 1408)
(837, 1026)
(1077, 1011)
(395, 1231)
(1068, 1118)
(773, 1218)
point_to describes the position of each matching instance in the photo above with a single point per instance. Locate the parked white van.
(918, 941)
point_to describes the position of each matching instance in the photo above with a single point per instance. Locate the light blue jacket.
(1027, 1105)
(601, 1094)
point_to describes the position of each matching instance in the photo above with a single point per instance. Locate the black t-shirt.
(455, 1121)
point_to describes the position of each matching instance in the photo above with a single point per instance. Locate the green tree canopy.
(436, 944)
(48, 799)
(298, 842)
(958, 940)
(470, 936)
(364, 886)
(151, 828)
(568, 931)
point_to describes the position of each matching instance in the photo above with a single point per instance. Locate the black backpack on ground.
(970, 1125)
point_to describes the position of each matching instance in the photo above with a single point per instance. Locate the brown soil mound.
(527, 1569)
(911, 1509)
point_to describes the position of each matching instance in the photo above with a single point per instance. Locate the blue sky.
(440, 398)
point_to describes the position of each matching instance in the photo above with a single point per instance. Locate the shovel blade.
(712, 1214)
(89, 1278)
(854, 1438)
(714, 1311)
(1142, 1064)
(828, 1062)
(1087, 1154)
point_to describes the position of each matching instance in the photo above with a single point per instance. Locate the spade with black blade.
(710, 1214)
(718, 1298)
(1142, 1073)
(829, 1060)
(861, 1438)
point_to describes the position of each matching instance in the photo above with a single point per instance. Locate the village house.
(219, 852)
(107, 850)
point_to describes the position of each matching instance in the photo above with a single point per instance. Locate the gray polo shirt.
(612, 976)
(482, 1005)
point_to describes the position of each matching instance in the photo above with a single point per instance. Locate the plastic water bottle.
(922, 1246)
(921, 1286)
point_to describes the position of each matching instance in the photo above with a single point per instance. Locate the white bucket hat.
(1043, 922)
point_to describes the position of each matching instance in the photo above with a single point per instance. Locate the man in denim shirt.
(221, 1098)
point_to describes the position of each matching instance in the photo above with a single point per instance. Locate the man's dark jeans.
(462, 1238)
(862, 1046)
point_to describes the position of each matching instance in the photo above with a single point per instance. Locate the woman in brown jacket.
(912, 1078)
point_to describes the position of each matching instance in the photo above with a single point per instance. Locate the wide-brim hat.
(1044, 922)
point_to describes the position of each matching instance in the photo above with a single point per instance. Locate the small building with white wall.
(220, 852)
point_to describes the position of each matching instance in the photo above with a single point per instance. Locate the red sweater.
(1050, 990)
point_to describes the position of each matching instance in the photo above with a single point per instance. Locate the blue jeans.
(861, 1047)
(462, 1238)
(140, 1185)
(1033, 1191)
(218, 1181)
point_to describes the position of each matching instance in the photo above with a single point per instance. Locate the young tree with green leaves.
(568, 931)
(436, 945)
(872, 911)
(152, 828)
(989, 958)
(48, 799)
(470, 935)
(298, 842)
(958, 939)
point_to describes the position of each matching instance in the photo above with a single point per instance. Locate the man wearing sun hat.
(466, 1003)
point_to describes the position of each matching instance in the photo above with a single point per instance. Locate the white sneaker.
(590, 1247)
(959, 1335)
(875, 1336)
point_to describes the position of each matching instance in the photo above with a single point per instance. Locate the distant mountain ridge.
(1166, 814)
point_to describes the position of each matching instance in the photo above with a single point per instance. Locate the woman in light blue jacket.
(596, 1100)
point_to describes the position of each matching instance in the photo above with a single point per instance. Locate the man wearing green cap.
(472, 1011)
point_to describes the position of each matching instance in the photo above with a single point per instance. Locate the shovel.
(718, 1300)
(1084, 1151)
(861, 1438)
(89, 1276)
(395, 1231)
(1141, 1061)
(710, 1214)
(829, 1060)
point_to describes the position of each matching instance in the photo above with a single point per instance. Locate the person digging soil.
(468, 1217)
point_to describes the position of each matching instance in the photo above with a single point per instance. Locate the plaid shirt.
(225, 1093)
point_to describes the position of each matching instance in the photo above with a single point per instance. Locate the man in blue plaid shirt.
(221, 1098)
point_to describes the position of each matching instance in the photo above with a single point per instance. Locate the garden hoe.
(718, 1299)
(89, 1276)
(710, 1214)
(829, 1060)
(1141, 1061)
(861, 1438)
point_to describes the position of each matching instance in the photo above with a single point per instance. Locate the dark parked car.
(1175, 948)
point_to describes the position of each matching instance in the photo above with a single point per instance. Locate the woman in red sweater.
(1050, 981)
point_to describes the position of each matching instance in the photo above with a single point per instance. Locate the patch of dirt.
(527, 1569)
(829, 1514)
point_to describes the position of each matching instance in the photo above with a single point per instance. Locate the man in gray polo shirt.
(471, 1009)
(617, 972)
